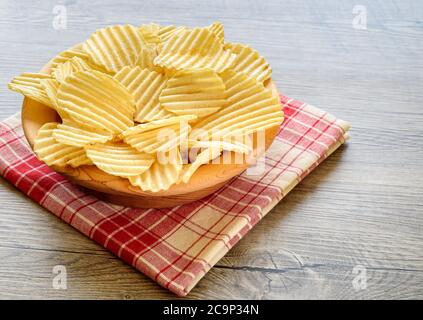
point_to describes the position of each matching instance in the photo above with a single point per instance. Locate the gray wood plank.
(362, 206)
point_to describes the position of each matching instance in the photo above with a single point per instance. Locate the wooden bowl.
(206, 180)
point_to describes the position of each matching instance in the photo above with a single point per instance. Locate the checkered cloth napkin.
(177, 246)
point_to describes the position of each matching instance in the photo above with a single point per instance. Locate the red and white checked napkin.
(177, 246)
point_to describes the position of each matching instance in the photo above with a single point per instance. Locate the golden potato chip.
(80, 159)
(193, 91)
(218, 29)
(158, 140)
(150, 33)
(166, 32)
(195, 49)
(251, 107)
(158, 135)
(161, 175)
(145, 86)
(97, 100)
(203, 157)
(29, 84)
(76, 135)
(63, 70)
(70, 67)
(223, 145)
(55, 153)
(146, 59)
(51, 86)
(159, 123)
(250, 62)
(69, 54)
(119, 159)
(115, 47)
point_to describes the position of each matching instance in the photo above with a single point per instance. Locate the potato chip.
(145, 86)
(63, 70)
(158, 140)
(218, 29)
(193, 91)
(146, 59)
(97, 100)
(55, 153)
(80, 159)
(166, 32)
(150, 33)
(51, 86)
(67, 55)
(70, 67)
(251, 107)
(223, 145)
(76, 135)
(195, 49)
(203, 157)
(161, 175)
(115, 47)
(29, 84)
(158, 135)
(119, 159)
(159, 123)
(250, 62)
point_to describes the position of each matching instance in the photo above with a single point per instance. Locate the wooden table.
(361, 210)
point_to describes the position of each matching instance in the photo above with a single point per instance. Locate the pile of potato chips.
(133, 99)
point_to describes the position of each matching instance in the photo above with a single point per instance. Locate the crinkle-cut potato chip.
(150, 33)
(218, 29)
(194, 49)
(203, 157)
(193, 91)
(54, 153)
(250, 107)
(115, 47)
(64, 56)
(79, 136)
(51, 86)
(166, 32)
(162, 174)
(159, 135)
(223, 145)
(145, 86)
(70, 67)
(80, 160)
(29, 84)
(250, 62)
(146, 59)
(159, 123)
(97, 100)
(119, 159)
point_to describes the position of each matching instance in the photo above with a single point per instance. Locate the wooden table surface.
(360, 211)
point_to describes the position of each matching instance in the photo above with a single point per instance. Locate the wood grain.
(362, 206)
